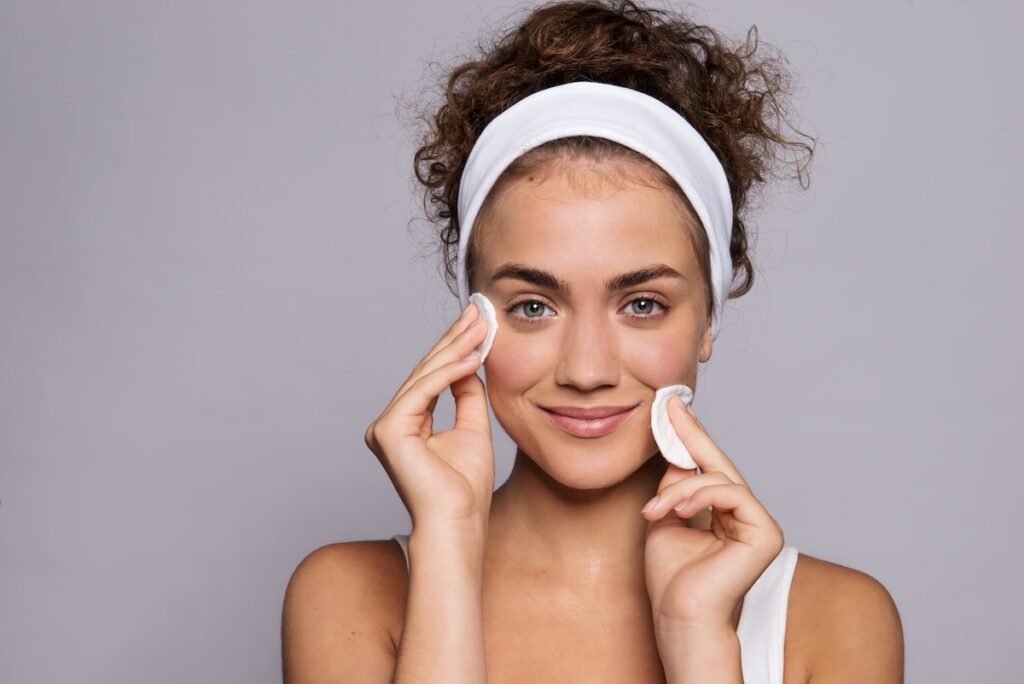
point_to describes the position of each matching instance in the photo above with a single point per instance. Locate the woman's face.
(590, 345)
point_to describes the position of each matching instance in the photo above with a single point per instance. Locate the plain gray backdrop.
(214, 273)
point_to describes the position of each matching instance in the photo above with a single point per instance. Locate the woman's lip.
(594, 427)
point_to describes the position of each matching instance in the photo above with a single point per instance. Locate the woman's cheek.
(660, 360)
(517, 362)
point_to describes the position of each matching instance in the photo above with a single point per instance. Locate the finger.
(456, 349)
(469, 316)
(736, 499)
(699, 443)
(701, 520)
(681, 489)
(408, 410)
(674, 473)
(718, 524)
(427, 427)
(471, 404)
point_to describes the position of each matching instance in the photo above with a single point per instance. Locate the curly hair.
(733, 95)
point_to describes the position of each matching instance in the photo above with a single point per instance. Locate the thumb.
(673, 474)
(471, 404)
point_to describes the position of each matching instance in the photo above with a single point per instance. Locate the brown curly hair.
(733, 95)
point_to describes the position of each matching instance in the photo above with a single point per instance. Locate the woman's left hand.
(700, 564)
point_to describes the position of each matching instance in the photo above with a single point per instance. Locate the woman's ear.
(705, 344)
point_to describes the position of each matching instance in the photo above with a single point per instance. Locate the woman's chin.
(590, 466)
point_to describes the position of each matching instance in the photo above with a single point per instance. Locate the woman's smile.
(595, 421)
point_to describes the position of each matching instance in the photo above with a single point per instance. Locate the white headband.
(626, 116)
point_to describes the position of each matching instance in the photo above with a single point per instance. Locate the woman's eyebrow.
(548, 281)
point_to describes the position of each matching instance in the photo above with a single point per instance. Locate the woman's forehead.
(560, 219)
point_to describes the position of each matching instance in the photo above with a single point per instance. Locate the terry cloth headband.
(626, 116)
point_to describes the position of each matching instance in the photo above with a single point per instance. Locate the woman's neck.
(589, 540)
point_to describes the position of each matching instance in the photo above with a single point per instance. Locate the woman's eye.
(531, 309)
(644, 309)
(639, 308)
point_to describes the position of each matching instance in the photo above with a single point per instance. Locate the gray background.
(212, 278)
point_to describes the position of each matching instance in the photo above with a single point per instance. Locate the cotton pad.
(488, 314)
(672, 448)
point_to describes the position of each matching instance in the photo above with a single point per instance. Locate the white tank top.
(762, 626)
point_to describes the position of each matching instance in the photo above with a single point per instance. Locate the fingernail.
(650, 505)
(464, 312)
(682, 504)
(690, 411)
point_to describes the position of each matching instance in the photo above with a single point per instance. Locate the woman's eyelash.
(534, 319)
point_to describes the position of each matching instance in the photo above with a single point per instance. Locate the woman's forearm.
(699, 655)
(442, 640)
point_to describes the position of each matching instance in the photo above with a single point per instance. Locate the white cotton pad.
(488, 314)
(672, 448)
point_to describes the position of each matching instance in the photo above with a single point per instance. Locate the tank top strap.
(403, 541)
(762, 625)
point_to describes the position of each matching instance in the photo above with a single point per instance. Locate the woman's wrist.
(699, 653)
(449, 539)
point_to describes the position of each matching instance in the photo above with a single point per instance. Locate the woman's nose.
(588, 357)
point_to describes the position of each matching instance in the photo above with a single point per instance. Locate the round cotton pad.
(672, 448)
(488, 314)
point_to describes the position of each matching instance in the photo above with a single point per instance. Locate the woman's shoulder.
(839, 618)
(825, 589)
(373, 563)
(376, 568)
(363, 582)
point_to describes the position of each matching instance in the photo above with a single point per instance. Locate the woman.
(607, 270)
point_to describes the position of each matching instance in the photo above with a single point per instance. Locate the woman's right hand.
(447, 477)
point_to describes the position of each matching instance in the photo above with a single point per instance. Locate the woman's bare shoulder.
(378, 565)
(374, 569)
(842, 621)
(345, 592)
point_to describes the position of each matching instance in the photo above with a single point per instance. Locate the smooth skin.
(559, 576)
